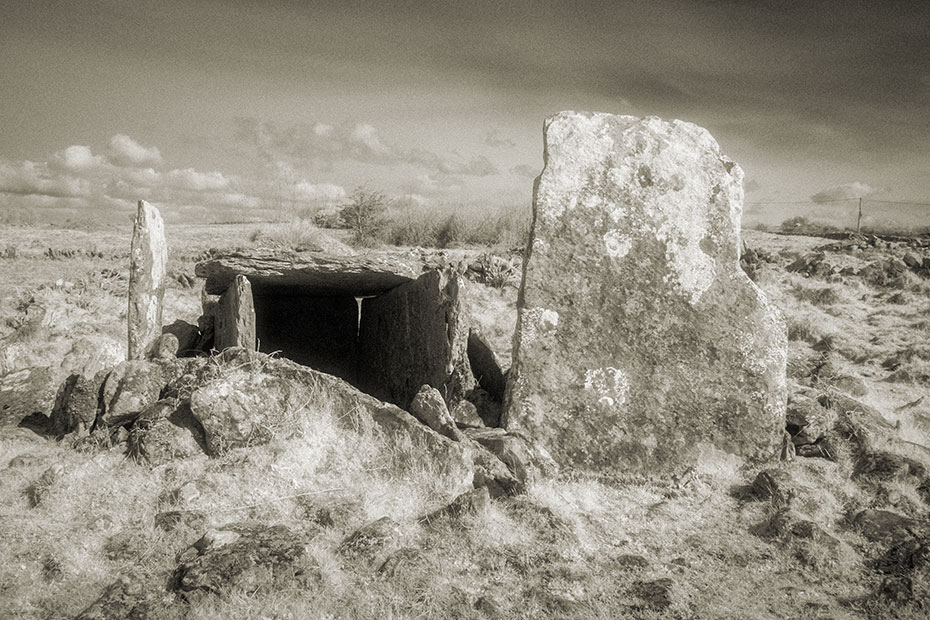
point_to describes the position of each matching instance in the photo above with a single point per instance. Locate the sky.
(224, 109)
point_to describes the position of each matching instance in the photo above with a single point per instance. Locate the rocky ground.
(330, 505)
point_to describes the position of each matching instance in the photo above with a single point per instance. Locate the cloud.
(493, 139)
(847, 191)
(124, 151)
(524, 170)
(322, 143)
(194, 181)
(752, 186)
(76, 179)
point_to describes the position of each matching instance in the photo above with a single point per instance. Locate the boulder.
(26, 392)
(429, 407)
(465, 413)
(128, 390)
(77, 404)
(187, 334)
(807, 420)
(166, 431)
(247, 556)
(165, 347)
(234, 322)
(148, 259)
(640, 342)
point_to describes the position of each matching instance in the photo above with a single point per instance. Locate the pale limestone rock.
(234, 323)
(640, 342)
(147, 262)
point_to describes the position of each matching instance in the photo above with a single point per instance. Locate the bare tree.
(365, 214)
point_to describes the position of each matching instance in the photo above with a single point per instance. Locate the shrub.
(365, 215)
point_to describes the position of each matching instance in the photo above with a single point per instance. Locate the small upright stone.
(640, 342)
(235, 317)
(147, 262)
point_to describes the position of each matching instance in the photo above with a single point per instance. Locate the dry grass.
(574, 547)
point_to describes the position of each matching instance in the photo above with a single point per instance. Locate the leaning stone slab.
(146, 279)
(640, 342)
(234, 323)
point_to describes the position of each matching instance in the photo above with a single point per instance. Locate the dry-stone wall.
(640, 342)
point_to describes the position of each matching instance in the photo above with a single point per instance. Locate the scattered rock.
(171, 520)
(130, 388)
(465, 413)
(823, 449)
(883, 525)
(39, 490)
(128, 597)
(638, 218)
(147, 265)
(25, 460)
(429, 407)
(246, 556)
(76, 405)
(24, 393)
(631, 562)
(470, 502)
(492, 473)
(399, 561)
(187, 335)
(850, 385)
(369, 540)
(775, 485)
(655, 595)
(165, 347)
(807, 420)
(166, 431)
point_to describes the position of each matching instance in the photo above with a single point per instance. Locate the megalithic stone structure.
(147, 264)
(640, 342)
(234, 323)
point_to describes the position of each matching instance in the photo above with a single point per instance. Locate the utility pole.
(859, 219)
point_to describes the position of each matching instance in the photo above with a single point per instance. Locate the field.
(78, 519)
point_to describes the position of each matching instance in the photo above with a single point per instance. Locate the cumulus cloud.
(524, 170)
(75, 178)
(847, 191)
(195, 181)
(323, 143)
(124, 151)
(492, 138)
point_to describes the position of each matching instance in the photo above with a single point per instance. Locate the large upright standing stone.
(147, 262)
(640, 342)
(235, 316)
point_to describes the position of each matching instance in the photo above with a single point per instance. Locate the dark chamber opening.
(319, 332)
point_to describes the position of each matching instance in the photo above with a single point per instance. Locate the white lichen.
(610, 384)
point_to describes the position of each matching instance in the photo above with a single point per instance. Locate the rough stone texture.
(165, 347)
(485, 366)
(465, 413)
(128, 390)
(312, 274)
(413, 335)
(166, 431)
(234, 323)
(429, 407)
(247, 556)
(24, 393)
(76, 404)
(147, 262)
(187, 334)
(640, 342)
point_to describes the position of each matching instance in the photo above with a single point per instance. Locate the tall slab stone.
(414, 335)
(234, 322)
(640, 343)
(147, 261)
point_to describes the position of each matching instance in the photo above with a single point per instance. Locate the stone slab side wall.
(414, 335)
(640, 342)
(234, 322)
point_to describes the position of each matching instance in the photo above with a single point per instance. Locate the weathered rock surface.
(165, 347)
(234, 322)
(312, 274)
(415, 334)
(128, 390)
(640, 342)
(24, 393)
(247, 556)
(429, 407)
(147, 265)
(166, 431)
(76, 404)
(470, 502)
(187, 334)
